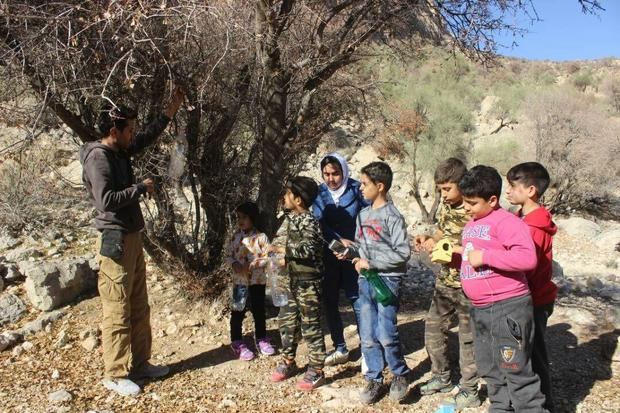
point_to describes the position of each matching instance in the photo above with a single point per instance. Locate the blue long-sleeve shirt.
(338, 221)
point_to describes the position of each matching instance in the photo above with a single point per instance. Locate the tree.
(573, 139)
(264, 80)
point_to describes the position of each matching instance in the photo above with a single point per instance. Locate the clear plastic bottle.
(446, 408)
(239, 297)
(279, 293)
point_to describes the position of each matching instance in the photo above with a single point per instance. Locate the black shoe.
(398, 388)
(371, 393)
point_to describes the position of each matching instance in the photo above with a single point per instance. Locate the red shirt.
(542, 229)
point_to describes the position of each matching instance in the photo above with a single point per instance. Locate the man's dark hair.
(450, 171)
(481, 181)
(114, 117)
(530, 173)
(305, 188)
(331, 160)
(250, 209)
(379, 172)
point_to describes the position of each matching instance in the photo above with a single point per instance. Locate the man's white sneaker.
(124, 387)
(149, 371)
(336, 357)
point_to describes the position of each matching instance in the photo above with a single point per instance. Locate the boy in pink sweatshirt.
(497, 252)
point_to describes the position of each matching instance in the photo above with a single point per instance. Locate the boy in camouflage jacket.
(301, 243)
(449, 298)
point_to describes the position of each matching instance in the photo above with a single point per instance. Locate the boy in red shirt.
(527, 183)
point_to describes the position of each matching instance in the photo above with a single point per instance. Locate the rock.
(227, 403)
(62, 339)
(12, 308)
(594, 283)
(579, 227)
(17, 351)
(581, 317)
(7, 242)
(60, 396)
(90, 343)
(172, 329)
(72, 172)
(55, 374)
(9, 339)
(53, 284)
(1, 284)
(89, 332)
(28, 346)
(23, 254)
(41, 322)
(608, 241)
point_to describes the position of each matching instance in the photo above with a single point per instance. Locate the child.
(303, 257)
(449, 298)
(381, 244)
(248, 253)
(527, 183)
(497, 251)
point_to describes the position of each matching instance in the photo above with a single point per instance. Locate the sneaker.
(436, 385)
(371, 393)
(149, 371)
(241, 351)
(464, 399)
(265, 347)
(311, 380)
(124, 387)
(337, 357)
(283, 371)
(398, 388)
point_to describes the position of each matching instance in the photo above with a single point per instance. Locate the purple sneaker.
(265, 347)
(241, 351)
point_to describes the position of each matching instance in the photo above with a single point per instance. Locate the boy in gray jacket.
(381, 244)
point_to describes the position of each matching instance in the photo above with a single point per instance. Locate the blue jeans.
(339, 275)
(378, 331)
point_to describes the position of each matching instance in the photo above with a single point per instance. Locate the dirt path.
(193, 339)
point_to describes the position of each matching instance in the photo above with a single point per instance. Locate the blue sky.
(565, 33)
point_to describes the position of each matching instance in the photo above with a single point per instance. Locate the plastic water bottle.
(279, 294)
(383, 294)
(446, 408)
(239, 297)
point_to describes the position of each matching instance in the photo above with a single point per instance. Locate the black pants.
(256, 298)
(540, 359)
(503, 340)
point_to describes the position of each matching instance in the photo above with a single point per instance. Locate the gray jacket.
(381, 238)
(110, 182)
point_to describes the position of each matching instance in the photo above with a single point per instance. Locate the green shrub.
(583, 79)
(501, 154)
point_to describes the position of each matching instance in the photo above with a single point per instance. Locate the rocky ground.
(52, 362)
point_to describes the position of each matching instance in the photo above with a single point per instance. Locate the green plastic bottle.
(383, 294)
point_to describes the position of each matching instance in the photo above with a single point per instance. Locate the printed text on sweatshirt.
(508, 252)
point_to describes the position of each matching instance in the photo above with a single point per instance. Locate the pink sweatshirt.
(508, 253)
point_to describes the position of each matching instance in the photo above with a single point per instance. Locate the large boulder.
(579, 227)
(608, 241)
(12, 308)
(50, 285)
(22, 254)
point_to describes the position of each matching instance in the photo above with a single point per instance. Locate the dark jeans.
(379, 333)
(256, 298)
(503, 340)
(339, 275)
(540, 358)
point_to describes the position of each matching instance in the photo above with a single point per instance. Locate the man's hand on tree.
(150, 186)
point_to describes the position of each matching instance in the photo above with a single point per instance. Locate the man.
(112, 190)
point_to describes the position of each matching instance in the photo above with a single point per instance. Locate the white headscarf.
(337, 193)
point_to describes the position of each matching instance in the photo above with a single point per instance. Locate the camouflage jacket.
(451, 222)
(304, 246)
